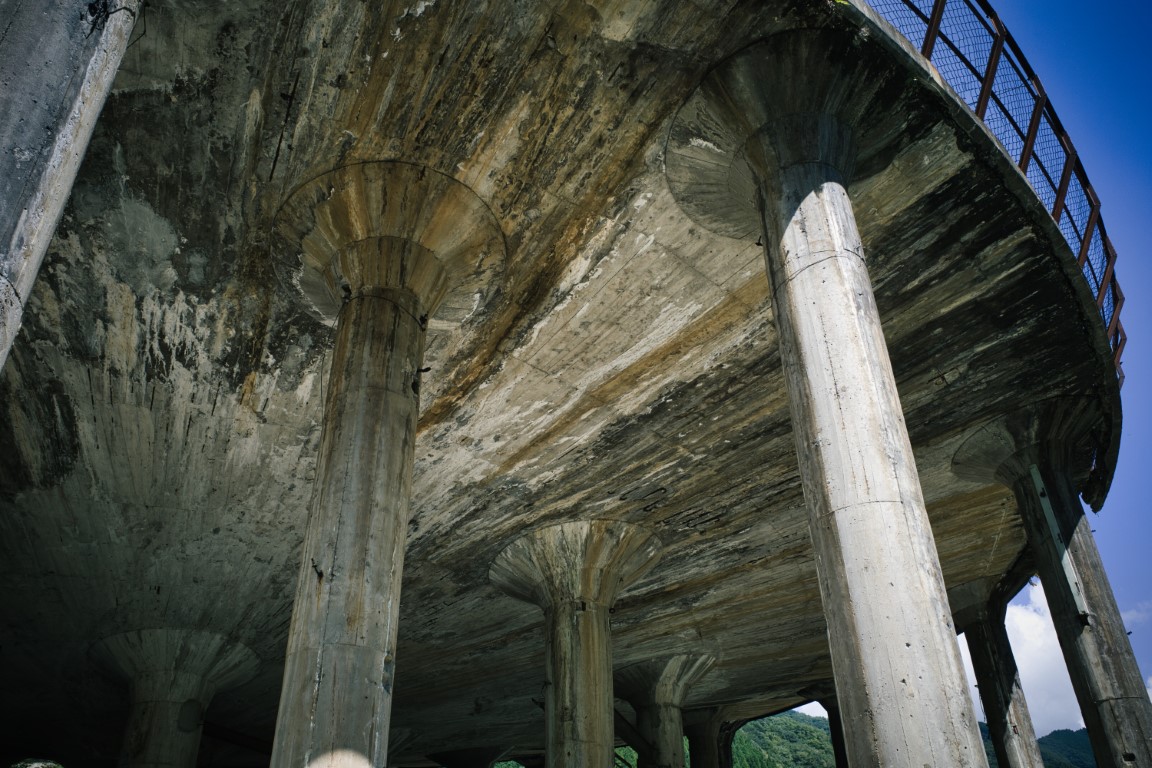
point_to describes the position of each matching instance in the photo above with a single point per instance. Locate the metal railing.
(977, 56)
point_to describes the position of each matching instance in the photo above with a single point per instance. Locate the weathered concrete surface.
(710, 739)
(161, 411)
(574, 572)
(341, 657)
(1112, 695)
(174, 674)
(1044, 452)
(57, 62)
(657, 690)
(382, 245)
(1006, 709)
(898, 674)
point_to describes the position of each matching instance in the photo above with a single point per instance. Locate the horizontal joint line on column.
(372, 388)
(831, 512)
(1107, 699)
(821, 163)
(368, 293)
(312, 649)
(833, 255)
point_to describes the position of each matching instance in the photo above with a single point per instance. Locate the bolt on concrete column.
(174, 674)
(382, 245)
(1005, 708)
(1105, 676)
(899, 678)
(656, 689)
(574, 572)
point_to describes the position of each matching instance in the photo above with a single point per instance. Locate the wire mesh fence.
(977, 57)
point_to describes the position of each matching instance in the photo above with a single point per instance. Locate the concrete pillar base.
(174, 674)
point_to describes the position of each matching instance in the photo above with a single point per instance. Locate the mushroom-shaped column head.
(656, 689)
(574, 571)
(388, 224)
(174, 673)
(587, 561)
(794, 96)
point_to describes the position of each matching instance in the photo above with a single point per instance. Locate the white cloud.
(1138, 615)
(815, 710)
(1043, 675)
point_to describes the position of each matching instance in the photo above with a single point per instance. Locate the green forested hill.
(794, 740)
(784, 741)
(1059, 749)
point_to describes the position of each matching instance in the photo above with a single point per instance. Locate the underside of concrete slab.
(187, 421)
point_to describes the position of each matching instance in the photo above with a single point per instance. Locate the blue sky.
(1092, 59)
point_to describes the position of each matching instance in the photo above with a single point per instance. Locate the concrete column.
(1009, 723)
(656, 689)
(337, 693)
(174, 674)
(771, 133)
(836, 731)
(382, 243)
(57, 63)
(574, 572)
(1105, 676)
(703, 738)
(899, 678)
(710, 740)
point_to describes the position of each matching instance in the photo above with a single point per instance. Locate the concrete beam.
(574, 572)
(174, 674)
(57, 64)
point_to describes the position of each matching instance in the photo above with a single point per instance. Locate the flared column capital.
(797, 96)
(388, 224)
(588, 560)
(178, 663)
(1070, 436)
(662, 681)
